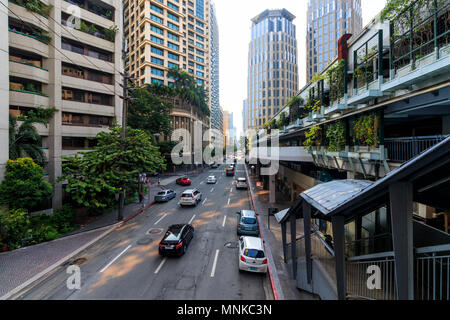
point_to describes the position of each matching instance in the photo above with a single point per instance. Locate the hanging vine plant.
(313, 137)
(335, 134)
(366, 130)
(294, 105)
(335, 76)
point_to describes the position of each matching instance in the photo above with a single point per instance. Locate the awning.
(281, 215)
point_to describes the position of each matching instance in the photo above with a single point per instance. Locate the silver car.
(241, 183)
(165, 196)
(190, 197)
(211, 180)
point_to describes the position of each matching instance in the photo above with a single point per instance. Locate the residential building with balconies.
(66, 55)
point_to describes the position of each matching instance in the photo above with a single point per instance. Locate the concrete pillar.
(339, 253)
(54, 90)
(292, 192)
(4, 89)
(307, 232)
(272, 189)
(401, 203)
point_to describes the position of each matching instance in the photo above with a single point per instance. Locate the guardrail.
(404, 149)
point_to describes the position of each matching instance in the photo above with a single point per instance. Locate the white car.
(252, 256)
(211, 180)
(190, 197)
(241, 183)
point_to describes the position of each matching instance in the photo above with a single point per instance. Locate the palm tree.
(25, 141)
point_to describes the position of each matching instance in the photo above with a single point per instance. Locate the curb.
(277, 291)
(74, 253)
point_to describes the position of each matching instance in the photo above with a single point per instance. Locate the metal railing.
(366, 60)
(324, 254)
(432, 273)
(357, 276)
(404, 149)
(418, 32)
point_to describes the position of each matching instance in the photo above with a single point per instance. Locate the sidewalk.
(23, 266)
(273, 239)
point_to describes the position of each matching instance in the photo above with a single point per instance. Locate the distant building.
(245, 116)
(327, 21)
(272, 73)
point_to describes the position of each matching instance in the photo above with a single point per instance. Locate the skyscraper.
(327, 21)
(272, 72)
(245, 116)
(216, 113)
(163, 34)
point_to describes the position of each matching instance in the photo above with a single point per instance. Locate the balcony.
(96, 10)
(28, 42)
(27, 70)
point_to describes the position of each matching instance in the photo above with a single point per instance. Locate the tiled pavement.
(273, 239)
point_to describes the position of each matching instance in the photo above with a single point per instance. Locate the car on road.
(165, 195)
(211, 180)
(184, 181)
(241, 183)
(214, 166)
(190, 197)
(230, 172)
(252, 256)
(176, 240)
(247, 223)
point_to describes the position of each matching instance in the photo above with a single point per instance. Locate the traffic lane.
(126, 276)
(180, 277)
(234, 285)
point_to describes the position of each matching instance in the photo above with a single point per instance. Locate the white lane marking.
(203, 203)
(160, 265)
(224, 220)
(212, 189)
(201, 182)
(229, 200)
(231, 190)
(192, 219)
(160, 219)
(213, 271)
(112, 261)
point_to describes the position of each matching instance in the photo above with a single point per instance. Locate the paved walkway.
(19, 266)
(274, 241)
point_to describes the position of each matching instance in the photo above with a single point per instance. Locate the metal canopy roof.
(328, 196)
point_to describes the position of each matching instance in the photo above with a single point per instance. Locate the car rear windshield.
(242, 180)
(162, 193)
(173, 234)
(249, 220)
(253, 253)
(186, 195)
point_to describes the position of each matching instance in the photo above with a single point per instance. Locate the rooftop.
(276, 13)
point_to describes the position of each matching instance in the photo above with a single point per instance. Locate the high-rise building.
(163, 34)
(245, 116)
(229, 132)
(216, 113)
(327, 21)
(272, 72)
(56, 61)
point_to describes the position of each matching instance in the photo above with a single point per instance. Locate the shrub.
(14, 226)
(24, 185)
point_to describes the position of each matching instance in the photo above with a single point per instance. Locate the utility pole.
(126, 90)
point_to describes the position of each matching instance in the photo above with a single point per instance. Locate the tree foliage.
(24, 185)
(93, 178)
(151, 110)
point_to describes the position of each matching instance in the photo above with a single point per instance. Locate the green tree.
(24, 140)
(24, 185)
(93, 178)
(151, 110)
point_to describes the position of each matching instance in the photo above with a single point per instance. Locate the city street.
(126, 265)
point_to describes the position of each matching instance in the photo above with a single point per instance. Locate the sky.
(234, 19)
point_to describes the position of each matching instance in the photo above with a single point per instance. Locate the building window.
(157, 72)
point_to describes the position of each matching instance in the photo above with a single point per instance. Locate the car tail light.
(265, 261)
(160, 246)
(242, 258)
(239, 225)
(179, 245)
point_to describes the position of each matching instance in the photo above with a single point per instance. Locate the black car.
(176, 240)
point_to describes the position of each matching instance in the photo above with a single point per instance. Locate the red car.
(184, 181)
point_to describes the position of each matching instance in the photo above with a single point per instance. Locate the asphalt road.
(125, 264)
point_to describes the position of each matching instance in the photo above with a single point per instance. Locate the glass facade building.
(216, 111)
(327, 21)
(272, 60)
